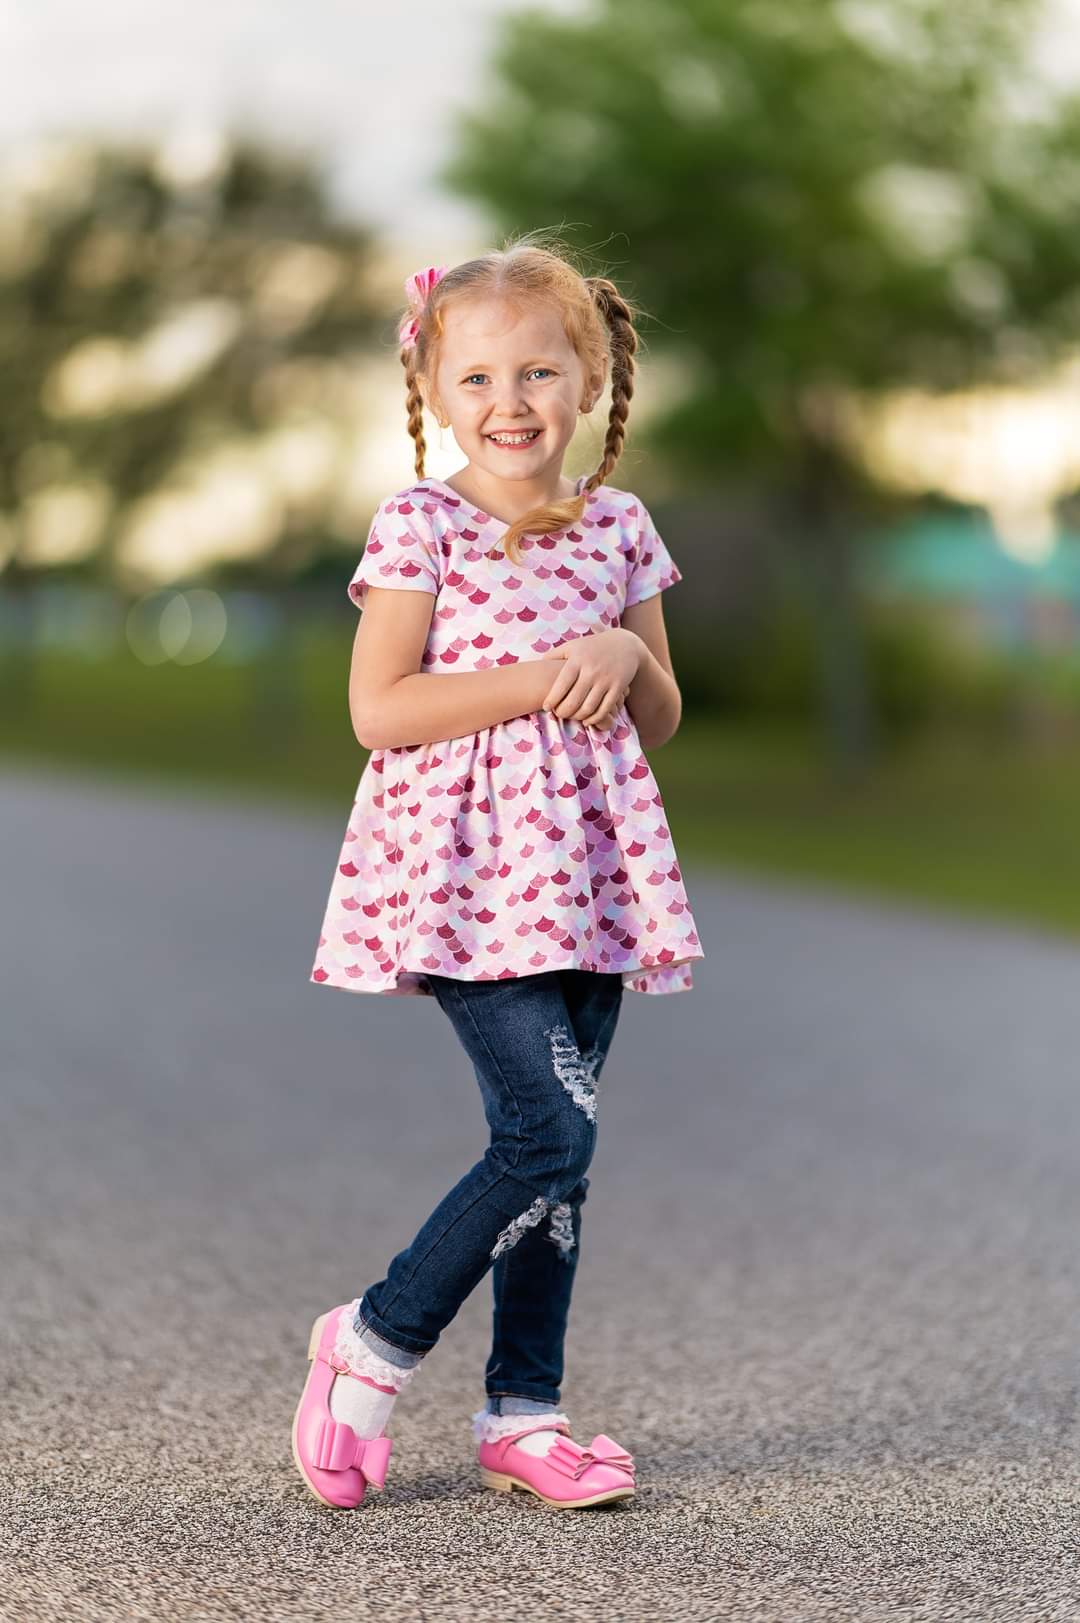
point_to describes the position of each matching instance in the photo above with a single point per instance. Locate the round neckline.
(430, 479)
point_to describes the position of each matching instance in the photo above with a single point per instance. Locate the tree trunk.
(849, 721)
(825, 519)
(20, 653)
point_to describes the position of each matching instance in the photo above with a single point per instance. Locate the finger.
(594, 704)
(570, 687)
(561, 686)
(582, 698)
(607, 705)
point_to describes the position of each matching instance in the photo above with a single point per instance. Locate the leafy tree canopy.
(838, 195)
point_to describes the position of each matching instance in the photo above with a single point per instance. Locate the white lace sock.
(537, 1442)
(364, 1398)
(488, 1428)
(365, 1408)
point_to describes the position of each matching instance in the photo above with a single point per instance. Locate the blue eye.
(484, 374)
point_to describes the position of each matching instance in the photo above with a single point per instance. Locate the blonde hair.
(598, 321)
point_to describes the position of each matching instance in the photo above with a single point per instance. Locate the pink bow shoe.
(334, 1462)
(567, 1476)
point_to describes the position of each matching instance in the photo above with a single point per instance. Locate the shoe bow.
(338, 1448)
(572, 1459)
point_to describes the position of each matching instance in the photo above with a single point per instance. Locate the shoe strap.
(538, 1423)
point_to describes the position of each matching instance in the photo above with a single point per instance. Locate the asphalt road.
(828, 1290)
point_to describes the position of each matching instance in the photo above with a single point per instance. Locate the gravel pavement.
(828, 1287)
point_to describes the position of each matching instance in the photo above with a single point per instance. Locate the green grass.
(959, 824)
(950, 822)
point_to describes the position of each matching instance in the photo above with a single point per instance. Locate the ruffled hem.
(411, 981)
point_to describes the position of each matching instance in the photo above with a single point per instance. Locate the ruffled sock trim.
(491, 1428)
(361, 1359)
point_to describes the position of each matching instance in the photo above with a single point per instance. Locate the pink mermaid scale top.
(538, 843)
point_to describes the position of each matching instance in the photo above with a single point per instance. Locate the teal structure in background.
(961, 561)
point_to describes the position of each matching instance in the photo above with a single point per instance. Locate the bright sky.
(372, 84)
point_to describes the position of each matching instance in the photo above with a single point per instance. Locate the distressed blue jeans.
(538, 1044)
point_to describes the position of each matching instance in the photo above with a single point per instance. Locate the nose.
(510, 401)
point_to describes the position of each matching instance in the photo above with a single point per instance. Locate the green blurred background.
(852, 231)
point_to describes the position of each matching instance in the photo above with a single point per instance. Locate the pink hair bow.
(417, 290)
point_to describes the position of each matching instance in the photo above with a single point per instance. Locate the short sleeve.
(401, 552)
(653, 568)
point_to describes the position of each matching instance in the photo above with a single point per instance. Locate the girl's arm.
(654, 700)
(393, 703)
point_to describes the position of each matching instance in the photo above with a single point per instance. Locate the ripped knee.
(577, 1073)
(561, 1231)
(560, 1226)
(575, 1070)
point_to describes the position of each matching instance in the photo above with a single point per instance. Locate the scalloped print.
(536, 844)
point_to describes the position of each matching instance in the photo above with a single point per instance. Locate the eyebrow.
(482, 366)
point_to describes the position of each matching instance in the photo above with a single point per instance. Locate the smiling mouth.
(523, 438)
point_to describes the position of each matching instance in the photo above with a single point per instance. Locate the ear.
(596, 385)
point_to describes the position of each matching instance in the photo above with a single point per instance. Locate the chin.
(511, 467)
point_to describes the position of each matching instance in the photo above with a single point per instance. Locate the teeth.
(514, 439)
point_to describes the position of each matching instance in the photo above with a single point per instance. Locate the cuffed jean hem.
(507, 1403)
(400, 1357)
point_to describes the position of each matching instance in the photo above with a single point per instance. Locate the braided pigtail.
(414, 407)
(623, 338)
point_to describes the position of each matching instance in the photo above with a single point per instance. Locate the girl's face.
(504, 369)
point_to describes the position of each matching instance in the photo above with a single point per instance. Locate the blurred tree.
(823, 199)
(151, 311)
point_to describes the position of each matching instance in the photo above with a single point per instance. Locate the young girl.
(507, 852)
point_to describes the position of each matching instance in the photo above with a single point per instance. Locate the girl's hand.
(596, 676)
